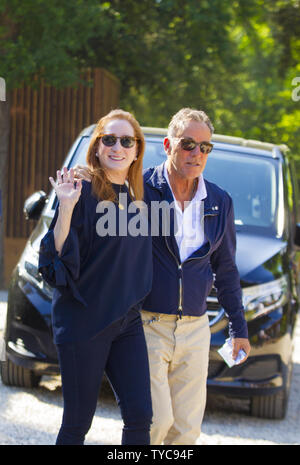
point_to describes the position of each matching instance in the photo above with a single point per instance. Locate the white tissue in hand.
(226, 353)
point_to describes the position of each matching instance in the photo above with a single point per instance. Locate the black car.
(260, 179)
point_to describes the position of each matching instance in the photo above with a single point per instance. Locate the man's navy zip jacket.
(182, 288)
(96, 279)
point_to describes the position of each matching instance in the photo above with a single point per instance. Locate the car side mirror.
(34, 205)
(297, 235)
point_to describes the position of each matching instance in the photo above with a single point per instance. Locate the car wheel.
(14, 375)
(273, 407)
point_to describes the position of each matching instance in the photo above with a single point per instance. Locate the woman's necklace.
(120, 205)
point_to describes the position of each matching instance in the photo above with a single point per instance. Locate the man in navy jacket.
(199, 249)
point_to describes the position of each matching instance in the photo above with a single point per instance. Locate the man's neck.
(183, 189)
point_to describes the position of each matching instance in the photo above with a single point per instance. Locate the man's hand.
(82, 172)
(237, 345)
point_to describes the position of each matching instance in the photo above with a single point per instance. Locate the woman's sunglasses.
(190, 144)
(110, 140)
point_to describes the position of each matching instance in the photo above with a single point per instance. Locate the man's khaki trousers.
(178, 352)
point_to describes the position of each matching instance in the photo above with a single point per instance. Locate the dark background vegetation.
(235, 59)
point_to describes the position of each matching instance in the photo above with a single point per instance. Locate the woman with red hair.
(100, 282)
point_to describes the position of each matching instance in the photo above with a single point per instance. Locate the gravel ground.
(32, 417)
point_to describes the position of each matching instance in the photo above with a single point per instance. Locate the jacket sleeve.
(227, 279)
(63, 271)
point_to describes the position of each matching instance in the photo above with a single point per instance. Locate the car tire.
(273, 407)
(15, 375)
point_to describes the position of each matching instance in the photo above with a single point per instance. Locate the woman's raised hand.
(67, 192)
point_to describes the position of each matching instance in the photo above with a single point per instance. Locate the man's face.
(185, 164)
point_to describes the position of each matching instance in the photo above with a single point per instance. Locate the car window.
(80, 153)
(154, 153)
(252, 183)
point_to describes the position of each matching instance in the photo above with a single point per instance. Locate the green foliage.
(236, 60)
(41, 39)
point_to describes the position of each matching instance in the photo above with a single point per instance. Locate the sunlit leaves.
(236, 60)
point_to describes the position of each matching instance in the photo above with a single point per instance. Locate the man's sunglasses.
(110, 140)
(190, 144)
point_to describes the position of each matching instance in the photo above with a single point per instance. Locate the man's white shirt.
(190, 226)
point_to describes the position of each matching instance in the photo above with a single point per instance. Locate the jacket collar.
(157, 178)
(158, 181)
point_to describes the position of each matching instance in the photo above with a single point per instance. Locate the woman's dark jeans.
(119, 350)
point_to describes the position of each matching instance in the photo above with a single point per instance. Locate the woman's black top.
(97, 279)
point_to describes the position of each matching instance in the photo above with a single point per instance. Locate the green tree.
(268, 37)
(42, 39)
(236, 60)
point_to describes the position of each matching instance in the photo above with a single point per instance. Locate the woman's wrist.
(66, 207)
(62, 226)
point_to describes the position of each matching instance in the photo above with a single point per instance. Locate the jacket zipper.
(179, 266)
(180, 310)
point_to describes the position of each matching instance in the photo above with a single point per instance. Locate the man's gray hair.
(180, 120)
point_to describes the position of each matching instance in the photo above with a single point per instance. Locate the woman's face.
(116, 159)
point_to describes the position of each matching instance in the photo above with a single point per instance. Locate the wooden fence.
(43, 125)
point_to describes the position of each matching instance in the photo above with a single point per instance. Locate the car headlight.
(28, 269)
(264, 298)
